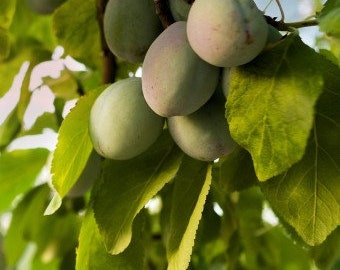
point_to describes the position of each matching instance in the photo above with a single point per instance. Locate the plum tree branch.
(163, 12)
(282, 26)
(109, 60)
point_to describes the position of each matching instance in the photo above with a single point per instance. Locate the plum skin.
(122, 125)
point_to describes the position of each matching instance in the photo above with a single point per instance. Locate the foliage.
(283, 113)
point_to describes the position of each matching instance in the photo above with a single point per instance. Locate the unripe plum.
(130, 27)
(179, 9)
(122, 125)
(44, 6)
(203, 135)
(175, 80)
(226, 33)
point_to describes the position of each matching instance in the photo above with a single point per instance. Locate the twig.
(282, 26)
(163, 12)
(109, 60)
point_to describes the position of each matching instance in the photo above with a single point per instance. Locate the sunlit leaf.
(74, 145)
(270, 107)
(307, 196)
(64, 87)
(18, 172)
(128, 185)
(191, 186)
(92, 255)
(79, 35)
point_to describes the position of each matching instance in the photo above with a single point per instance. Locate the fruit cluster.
(181, 75)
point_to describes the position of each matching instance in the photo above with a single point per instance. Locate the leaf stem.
(109, 60)
(163, 12)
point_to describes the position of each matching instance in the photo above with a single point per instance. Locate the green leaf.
(191, 187)
(74, 145)
(270, 107)
(328, 252)
(4, 44)
(128, 185)
(92, 255)
(26, 216)
(9, 129)
(65, 86)
(18, 172)
(46, 120)
(79, 35)
(234, 172)
(330, 23)
(307, 196)
(7, 8)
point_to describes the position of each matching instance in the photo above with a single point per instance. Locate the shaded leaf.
(4, 44)
(307, 196)
(18, 172)
(92, 255)
(26, 216)
(9, 129)
(74, 145)
(128, 185)
(79, 35)
(328, 252)
(7, 8)
(234, 172)
(46, 120)
(191, 187)
(270, 107)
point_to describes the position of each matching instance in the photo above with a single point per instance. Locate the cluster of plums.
(181, 75)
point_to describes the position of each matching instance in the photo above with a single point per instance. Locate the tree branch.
(109, 60)
(282, 26)
(163, 12)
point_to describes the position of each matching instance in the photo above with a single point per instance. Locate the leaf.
(74, 145)
(92, 255)
(18, 172)
(46, 120)
(7, 8)
(4, 44)
(330, 23)
(79, 35)
(234, 172)
(307, 196)
(9, 129)
(26, 215)
(128, 185)
(270, 107)
(65, 86)
(328, 252)
(191, 187)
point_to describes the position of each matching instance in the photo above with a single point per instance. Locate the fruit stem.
(109, 60)
(163, 12)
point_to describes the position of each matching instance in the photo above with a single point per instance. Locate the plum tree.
(44, 6)
(204, 134)
(130, 27)
(122, 125)
(226, 33)
(175, 80)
